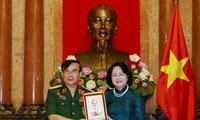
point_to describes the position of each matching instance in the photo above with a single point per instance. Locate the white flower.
(71, 57)
(91, 84)
(151, 78)
(133, 66)
(134, 58)
(143, 76)
(60, 69)
(145, 71)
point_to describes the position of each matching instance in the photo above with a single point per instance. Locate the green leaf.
(146, 91)
(99, 82)
(134, 86)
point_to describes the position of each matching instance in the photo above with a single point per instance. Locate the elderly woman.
(123, 103)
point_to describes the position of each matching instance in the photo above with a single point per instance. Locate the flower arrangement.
(95, 80)
(57, 78)
(143, 81)
(92, 80)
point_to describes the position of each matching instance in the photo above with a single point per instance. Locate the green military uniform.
(59, 101)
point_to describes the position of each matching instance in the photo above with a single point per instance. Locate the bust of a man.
(102, 26)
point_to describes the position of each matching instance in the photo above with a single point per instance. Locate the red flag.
(175, 87)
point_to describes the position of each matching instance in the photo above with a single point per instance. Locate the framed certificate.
(95, 106)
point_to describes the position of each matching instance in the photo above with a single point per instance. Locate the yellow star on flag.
(174, 69)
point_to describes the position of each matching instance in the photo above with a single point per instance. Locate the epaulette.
(54, 87)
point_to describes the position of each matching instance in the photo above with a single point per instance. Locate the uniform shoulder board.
(54, 87)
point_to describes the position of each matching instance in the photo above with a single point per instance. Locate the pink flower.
(53, 73)
(86, 70)
(144, 84)
(58, 80)
(91, 76)
(143, 64)
(102, 74)
(137, 80)
(101, 89)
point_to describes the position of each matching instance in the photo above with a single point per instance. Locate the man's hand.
(83, 110)
(57, 117)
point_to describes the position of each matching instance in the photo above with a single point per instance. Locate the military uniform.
(60, 101)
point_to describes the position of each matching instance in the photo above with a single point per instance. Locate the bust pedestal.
(95, 61)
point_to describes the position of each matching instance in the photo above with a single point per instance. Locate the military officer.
(65, 102)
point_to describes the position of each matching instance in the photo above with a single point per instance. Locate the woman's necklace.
(120, 95)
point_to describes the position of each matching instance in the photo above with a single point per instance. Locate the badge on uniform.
(60, 96)
(64, 91)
